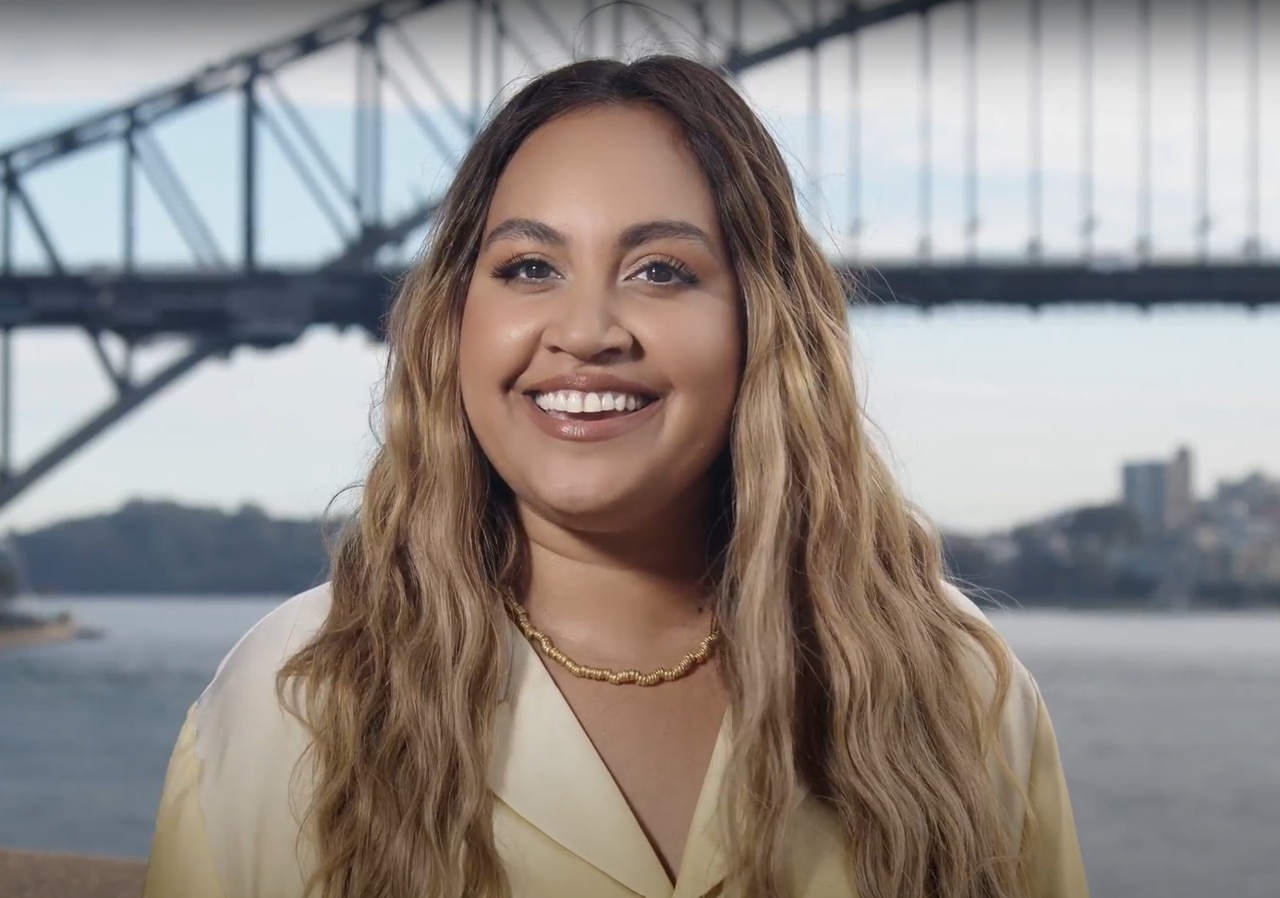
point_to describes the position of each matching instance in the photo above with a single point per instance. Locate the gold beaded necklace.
(618, 677)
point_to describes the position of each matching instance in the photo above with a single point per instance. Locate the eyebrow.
(634, 236)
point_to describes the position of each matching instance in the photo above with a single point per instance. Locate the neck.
(618, 590)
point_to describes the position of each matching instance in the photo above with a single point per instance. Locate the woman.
(631, 607)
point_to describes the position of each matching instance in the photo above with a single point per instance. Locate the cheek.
(707, 358)
(470, 358)
(492, 350)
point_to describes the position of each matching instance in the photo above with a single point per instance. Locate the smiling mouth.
(574, 405)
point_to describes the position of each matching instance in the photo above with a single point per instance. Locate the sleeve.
(1055, 867)
(181, 864)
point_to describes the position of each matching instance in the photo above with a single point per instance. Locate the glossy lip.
(587, 382)
(589, 431)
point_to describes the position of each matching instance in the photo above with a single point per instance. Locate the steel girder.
(222, 305)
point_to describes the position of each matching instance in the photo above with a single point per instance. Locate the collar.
(545, 768)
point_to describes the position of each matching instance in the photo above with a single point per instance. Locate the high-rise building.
(1181, 500)
(1145, 493)
(1160, 492)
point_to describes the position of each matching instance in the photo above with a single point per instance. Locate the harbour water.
(1169, 728)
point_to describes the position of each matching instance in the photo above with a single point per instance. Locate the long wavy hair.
(848, 668)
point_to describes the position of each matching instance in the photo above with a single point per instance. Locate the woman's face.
(600, 339)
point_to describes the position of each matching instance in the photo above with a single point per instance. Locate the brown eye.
(525, 270)
(666, 274)
(659, 273)
(535, 269)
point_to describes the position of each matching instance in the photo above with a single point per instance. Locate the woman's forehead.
(604, 168)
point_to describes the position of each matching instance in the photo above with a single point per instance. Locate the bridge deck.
(278, 305)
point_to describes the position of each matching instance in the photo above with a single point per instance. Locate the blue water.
(1169, 729)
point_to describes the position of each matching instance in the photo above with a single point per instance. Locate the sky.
(990, 417)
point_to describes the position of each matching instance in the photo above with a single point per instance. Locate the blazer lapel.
(546, 770)
(705, 866)
(702, 867)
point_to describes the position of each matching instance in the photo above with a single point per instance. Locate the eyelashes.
(663, 271)
(512, 269)
(681, 274)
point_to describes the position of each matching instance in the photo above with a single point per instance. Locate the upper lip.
(593, 383)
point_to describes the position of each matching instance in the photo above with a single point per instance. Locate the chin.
(605, 510)
(588, 514)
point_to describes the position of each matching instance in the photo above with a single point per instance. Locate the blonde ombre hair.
(849, 669)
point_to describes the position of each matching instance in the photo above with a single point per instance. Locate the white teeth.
(575, 402)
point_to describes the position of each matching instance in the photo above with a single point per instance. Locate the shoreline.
(37, 634)
(37, 874)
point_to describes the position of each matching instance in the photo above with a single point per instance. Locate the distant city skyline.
(989, 416)
(1161, 492)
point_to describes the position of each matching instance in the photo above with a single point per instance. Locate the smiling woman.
(602, 274)
(631, 607)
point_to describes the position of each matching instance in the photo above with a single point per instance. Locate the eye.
(525, 269)
(666, 273)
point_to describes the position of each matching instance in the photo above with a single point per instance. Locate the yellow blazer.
(227, 822)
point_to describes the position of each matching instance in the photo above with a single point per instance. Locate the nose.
(584, 323)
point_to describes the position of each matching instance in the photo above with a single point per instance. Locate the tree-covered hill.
(149, 548)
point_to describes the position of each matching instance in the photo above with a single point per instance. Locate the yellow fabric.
(228, 826)
(1057, 870)
(181, 860)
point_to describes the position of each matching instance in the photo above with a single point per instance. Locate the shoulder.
(240, 705)
(250, 752)
(1023, 697)
(1021, 714)
(245, 679)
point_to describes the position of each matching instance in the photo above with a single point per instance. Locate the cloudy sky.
(991, 416)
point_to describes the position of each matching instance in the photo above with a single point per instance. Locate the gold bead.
(619, 677)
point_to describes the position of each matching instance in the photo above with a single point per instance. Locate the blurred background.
(1064, 216)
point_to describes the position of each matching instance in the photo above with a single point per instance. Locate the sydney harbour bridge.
(197, 249)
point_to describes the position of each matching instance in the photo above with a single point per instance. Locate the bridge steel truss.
(221, 300)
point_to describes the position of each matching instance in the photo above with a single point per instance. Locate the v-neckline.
(546, 768)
